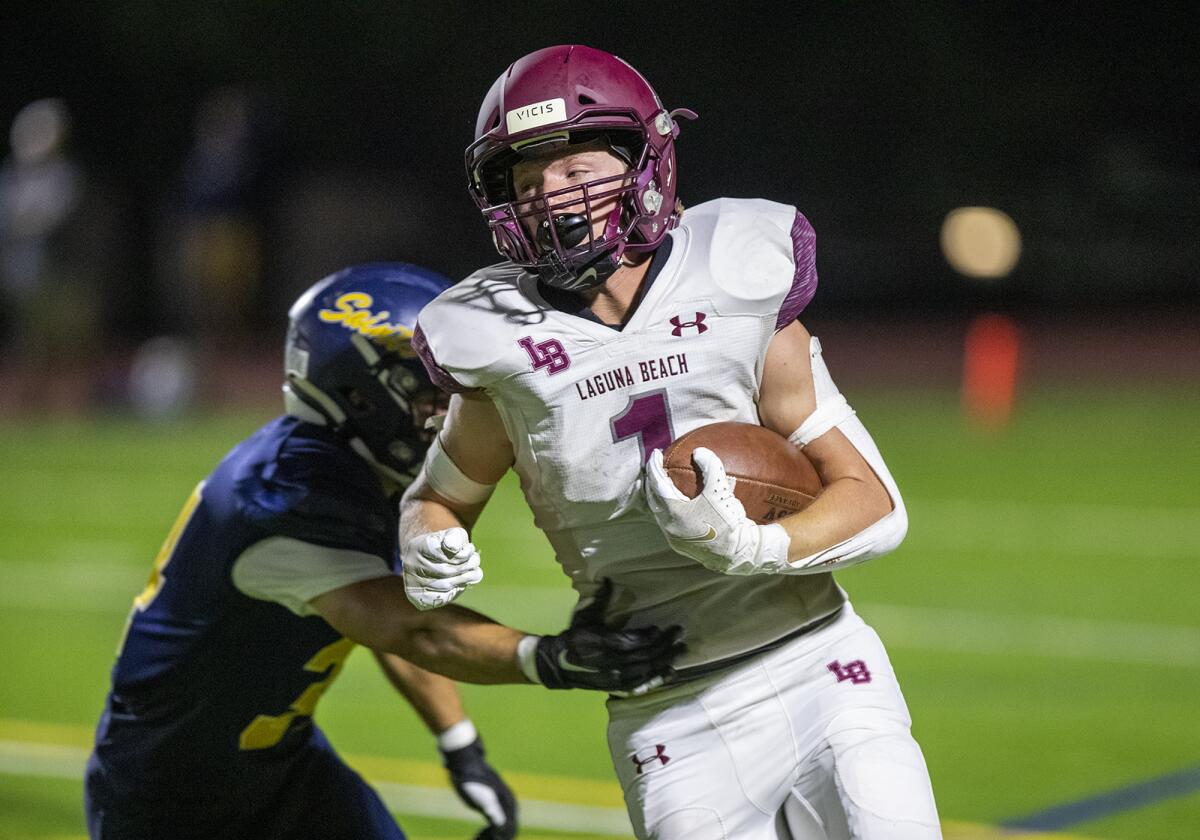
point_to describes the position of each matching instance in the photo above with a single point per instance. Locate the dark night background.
(1042, 426)
(876, 120)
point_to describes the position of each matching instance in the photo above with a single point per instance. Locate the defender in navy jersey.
(617, 323)
(280, 561)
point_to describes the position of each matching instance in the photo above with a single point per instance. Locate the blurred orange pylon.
(991, 355)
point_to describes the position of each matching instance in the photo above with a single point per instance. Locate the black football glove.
(480, 787)
(589, 654)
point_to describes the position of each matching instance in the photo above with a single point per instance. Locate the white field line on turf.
(1017, 528)
(917, 628)
(959, 630)
(989, 528)
(81, 584)
(27, 758)
(24, 758)
(992, 527)
(1055, 637)
(535, 813)
(1006, 528)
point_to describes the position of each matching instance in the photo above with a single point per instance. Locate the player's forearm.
(452, 641)
(845, 507)
(466, 646)
(858, 516)
(462, 467)
(423, 511)
(439, 562)
(463, 646)
(434, 698)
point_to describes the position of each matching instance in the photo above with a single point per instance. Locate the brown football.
(774, 477)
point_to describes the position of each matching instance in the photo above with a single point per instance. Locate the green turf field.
(1043, 617)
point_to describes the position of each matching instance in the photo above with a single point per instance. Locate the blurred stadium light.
(981, 242)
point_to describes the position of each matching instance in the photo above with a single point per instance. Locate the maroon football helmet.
(573, 95)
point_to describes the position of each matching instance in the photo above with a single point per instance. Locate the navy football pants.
(322, 800)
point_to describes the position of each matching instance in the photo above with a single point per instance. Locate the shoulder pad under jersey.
(759, 252)
(462, 333)
(316, 489)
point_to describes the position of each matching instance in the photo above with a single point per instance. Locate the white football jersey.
(584, 404)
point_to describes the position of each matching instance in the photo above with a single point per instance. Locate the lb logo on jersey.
(643, 759)
(353, 311)
(856, 671)
(679, 325)
(548, 354)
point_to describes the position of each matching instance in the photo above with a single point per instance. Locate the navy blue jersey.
(213, 691)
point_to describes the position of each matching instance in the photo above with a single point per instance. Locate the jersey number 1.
(648, 418)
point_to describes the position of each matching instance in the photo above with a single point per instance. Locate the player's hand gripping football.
(589, 654)
(713, 528)
(480, 787)
(438, 567)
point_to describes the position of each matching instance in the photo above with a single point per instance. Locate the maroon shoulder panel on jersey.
(804, 282)
(440, 376)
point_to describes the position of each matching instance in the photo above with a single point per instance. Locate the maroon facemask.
(575, 94)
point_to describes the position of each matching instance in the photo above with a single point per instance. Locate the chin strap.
(577, 278)
(587, 270)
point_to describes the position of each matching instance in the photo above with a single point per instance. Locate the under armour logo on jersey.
(855, 671)
(680, 326)
(546, 354)
(659, 755)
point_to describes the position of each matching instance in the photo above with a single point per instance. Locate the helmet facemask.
(564, 248)
(555, 234)
(571, 93)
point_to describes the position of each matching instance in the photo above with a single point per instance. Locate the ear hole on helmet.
(402, 379)
(356, 400)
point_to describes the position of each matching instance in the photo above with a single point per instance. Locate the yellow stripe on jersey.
(265, 731)
(154, 584)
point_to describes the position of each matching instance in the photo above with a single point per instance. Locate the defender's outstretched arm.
(469, 647)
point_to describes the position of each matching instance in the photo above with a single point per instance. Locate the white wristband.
(527, 658)
(457, 736)
(448, 480)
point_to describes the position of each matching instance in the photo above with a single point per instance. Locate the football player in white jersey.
(617, 323)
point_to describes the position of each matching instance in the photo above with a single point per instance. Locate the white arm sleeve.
(292, 572)
(831, 412)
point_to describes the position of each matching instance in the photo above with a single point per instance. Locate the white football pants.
(807, 742)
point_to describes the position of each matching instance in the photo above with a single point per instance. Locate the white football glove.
(713, 528)
(438, 567)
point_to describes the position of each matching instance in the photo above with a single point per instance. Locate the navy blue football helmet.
(349, 363)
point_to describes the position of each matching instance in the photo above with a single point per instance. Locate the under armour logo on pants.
(641, 759)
